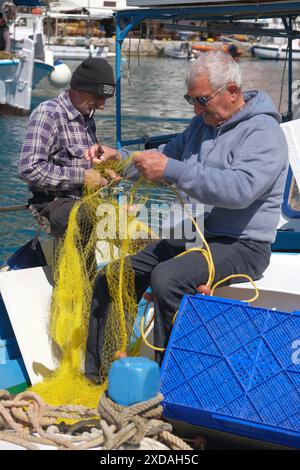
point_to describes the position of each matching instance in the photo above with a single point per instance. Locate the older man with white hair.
(233, 159)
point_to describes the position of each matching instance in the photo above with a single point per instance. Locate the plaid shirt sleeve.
(35, 166)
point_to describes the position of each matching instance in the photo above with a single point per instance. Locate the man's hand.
(151, 164)
(98, 153)
(94, 180)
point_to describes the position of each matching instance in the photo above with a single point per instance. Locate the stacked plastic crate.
(234, 368)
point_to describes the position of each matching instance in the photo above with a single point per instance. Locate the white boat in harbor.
(67, 52)
(275, 48)
(62, 47)
(20, 73)
(8, 68)
(182, 51)
(17, 78)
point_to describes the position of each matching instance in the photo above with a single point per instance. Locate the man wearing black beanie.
(59, 131)
(94, 76)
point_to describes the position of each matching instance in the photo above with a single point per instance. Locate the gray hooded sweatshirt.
(237, 170)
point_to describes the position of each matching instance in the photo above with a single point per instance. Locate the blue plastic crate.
(234, 368)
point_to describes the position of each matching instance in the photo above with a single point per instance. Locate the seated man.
(232, 158)
(58, 133)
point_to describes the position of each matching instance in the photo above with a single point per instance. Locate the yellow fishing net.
(74, 276)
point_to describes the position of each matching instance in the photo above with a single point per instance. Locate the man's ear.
(233, 90)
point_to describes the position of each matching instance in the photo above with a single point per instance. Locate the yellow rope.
(151, 346)
(233, 276)
(206, 252)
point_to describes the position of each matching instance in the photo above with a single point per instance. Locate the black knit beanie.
(96, 76)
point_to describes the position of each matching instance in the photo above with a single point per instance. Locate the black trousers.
(57, 212)
(170, 278)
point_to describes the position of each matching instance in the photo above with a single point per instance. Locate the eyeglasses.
(203, 100)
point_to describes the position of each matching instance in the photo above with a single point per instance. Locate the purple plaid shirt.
(52, 160)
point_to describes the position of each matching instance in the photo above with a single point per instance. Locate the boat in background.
(73, 29)
(227, 48)
(190, 51)
(18, 76)
(57, 29)
(20, 73)
(275, 48)
(182, 51)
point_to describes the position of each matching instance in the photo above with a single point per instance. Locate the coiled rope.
(25, 420)
(134, 423)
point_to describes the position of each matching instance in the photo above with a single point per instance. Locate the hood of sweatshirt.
(257, 102)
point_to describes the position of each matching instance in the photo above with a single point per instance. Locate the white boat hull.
(17, 79)
(274, 52)
(8, 69)
(177, 55)
(177, 52)
(67, 52)
(76, 52)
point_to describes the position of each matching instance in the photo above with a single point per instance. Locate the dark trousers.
(170, 278)
(57, 212)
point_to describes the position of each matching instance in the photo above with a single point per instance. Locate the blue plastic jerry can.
(132, 380)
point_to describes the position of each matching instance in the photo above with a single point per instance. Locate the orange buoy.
(36, 11)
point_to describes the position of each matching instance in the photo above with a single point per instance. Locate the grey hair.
(219, 67)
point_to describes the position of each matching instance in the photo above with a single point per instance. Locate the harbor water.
(153, 104)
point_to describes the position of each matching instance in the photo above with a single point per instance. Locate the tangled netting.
(74, 275)
(90, 224)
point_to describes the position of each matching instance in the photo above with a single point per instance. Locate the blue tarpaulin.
(28, 3)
